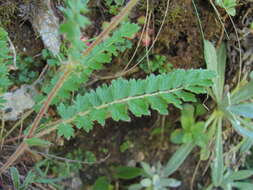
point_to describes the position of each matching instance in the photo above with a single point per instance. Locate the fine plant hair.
(115, 100)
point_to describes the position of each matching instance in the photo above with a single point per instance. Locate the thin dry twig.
(139, 41)
(194, 174)
(124, 72)
(2, 130)
(240, 51)
(156, 38)
(14, 53)
(70, 160)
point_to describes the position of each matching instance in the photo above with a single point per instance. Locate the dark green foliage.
(156, 63)
(101, 184)
(101, 54)
(125, 172)
(27, 71)
(192, 131)
(74, 22)
(138, 96)
(4, 61)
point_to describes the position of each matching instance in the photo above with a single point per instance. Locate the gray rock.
(17, 102)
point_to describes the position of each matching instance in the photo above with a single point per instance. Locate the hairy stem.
(67, 71)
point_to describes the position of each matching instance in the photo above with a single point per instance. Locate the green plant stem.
(68, 68)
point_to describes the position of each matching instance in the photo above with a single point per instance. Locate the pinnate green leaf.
(137, 96)
(139, 107)
(65, 130)
(119, 112)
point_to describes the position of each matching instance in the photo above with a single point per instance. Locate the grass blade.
(245, 93)
(221, 65)
(15, 177)
(241, 130)
(239, 175)
(243, 185)
(212, 64)
(218, 165)
(245, 110)
(178, 158)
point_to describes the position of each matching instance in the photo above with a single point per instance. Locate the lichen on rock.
(17, 102)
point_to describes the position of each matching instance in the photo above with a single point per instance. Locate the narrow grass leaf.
(15, 177)
(246, 145)
(178, 158)
(218, 165)
(245, 93)
(212, 64)
(170, 182)
(147, 169)
(245, 110)
(243, 185)
(29, 179)
(221, 65)
(241, 130)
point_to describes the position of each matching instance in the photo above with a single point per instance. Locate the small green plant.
(235, 107)
(126, 145)
(38, 176)
(63, 168)
(4, 62)
(157, 63)
(228, 5)
(59, 168)
(192, 131)
(25, 73)
(156, 177)
(80, 110)
(15, 176)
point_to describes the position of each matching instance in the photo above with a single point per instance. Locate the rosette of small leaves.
(4, 61)
(156, 179)
(135, 95)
